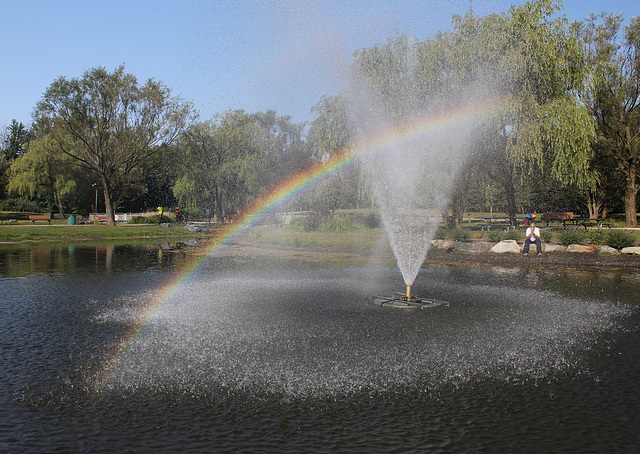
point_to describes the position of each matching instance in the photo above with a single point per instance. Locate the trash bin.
(72, 220)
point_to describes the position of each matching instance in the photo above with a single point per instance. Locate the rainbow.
(269, 203)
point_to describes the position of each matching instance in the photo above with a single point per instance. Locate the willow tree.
(535, 65)
(329, 134)
(611, 93)
(109, 124)
(227, 162)
(522, 60)
(40, 172)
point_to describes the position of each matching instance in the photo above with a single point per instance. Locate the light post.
(95, 207)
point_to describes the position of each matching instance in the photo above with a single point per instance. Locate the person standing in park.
(533, 236)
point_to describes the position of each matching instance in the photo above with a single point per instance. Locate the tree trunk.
(631, 199)
(57, 200)
(111, 218)
(595, 205)
(510, 195)
(217, 207)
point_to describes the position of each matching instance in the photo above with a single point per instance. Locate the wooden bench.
(40, 217)
(563, 216)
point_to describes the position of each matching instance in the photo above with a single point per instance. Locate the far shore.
(304, 245)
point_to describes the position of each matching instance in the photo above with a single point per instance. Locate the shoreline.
(555, 259)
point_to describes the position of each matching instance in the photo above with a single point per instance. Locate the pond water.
(113, 348)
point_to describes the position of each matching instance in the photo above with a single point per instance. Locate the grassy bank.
(292, 236)
(65, 232)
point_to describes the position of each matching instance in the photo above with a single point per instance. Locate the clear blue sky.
(253, 55)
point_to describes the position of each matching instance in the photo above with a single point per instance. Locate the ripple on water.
(300, 337)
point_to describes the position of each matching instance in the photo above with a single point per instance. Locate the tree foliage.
(228, 162)
(43, 173)
(611, 93)
(15, 141)
(567, 126)
(109, 124)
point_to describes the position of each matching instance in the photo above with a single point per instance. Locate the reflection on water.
(70, 259)
(259, 355)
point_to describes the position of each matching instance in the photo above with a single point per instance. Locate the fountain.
(412, 175)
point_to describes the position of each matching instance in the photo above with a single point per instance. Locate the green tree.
(524, 58)
(537, 64)
(15, 141)
(283, 145)
(38, 173)
(12, 143)
(611, 93)
(109, 124)
(329, 134)
(228, 162)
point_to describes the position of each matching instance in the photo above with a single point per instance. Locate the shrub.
(621, 238)
(571, 236)
(459, 234)
(370, 220)
(440, 234)
(148, 220)
(596, 236)
(336, 224)
(311, 223)
(21, 205)
(495, 236)
(513, 234)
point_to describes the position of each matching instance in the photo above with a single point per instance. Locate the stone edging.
(512, 246)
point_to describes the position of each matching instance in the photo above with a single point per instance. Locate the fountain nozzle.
(408, 293)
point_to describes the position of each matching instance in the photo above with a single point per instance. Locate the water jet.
(412, 176)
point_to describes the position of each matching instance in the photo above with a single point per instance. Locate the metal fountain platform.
(400, 301)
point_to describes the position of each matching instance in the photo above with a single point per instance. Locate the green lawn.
(41, 231)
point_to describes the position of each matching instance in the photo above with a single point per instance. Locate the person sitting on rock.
(533, 236)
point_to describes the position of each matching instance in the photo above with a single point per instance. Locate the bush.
(596, 236)
(459, 234)
(495, 236)
(370, 220)
(513, 234)
(311, 223)
(441, 234)
(148, 220)
(620, 239)
(571, 236)
(21, 205)
(337, 224)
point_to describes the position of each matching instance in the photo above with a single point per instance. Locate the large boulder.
(579, 248)
(443, 244)
(479, 246)
(461, 246)
(554, 248)
(195, 228)
(631, 250)
(506, 246)
(608, 249)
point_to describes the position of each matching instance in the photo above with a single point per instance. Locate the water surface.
(256, 355)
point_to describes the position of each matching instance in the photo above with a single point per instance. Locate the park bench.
(567, 217)
(40, 217)
(562, 216)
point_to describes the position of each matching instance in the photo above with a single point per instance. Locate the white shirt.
(536, 233)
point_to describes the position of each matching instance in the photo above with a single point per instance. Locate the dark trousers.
(528, 241)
